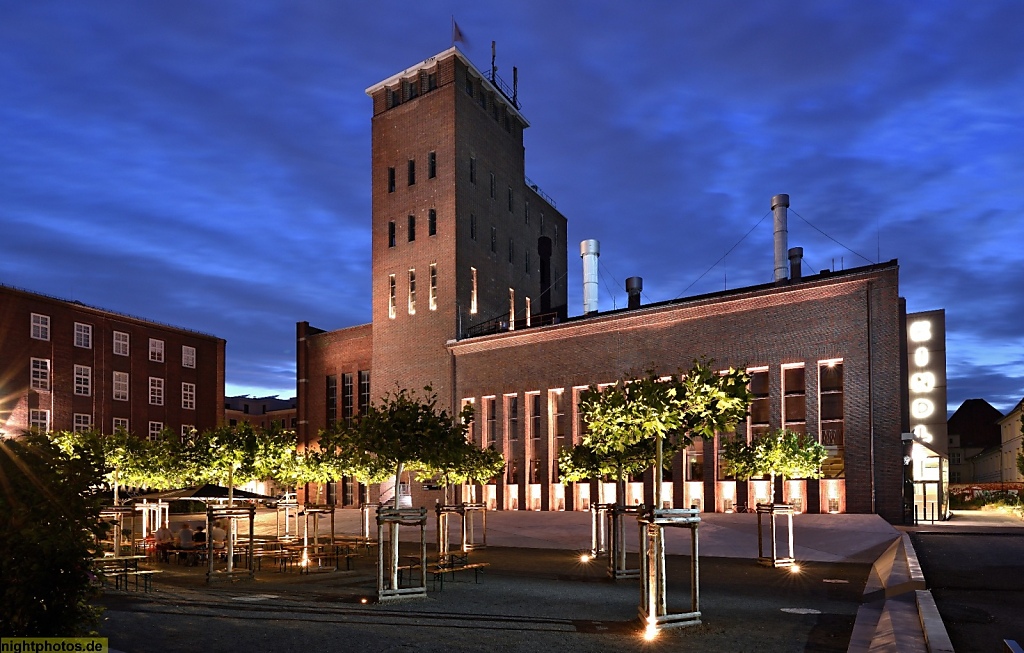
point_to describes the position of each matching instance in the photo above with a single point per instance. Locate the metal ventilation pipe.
(796, 258)
(779, 205)
(589, 251)
(634, 286)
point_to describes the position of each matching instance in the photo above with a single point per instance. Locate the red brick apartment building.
(469, 297)
(68, 366)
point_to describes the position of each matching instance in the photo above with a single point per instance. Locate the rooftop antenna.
(515, 87)
(494, 68)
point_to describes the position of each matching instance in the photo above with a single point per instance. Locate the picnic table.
(122, 569)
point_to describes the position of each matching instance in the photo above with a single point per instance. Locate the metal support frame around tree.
(773, 509)
(314, 512)
(599, 528)
(615, 520)
(389, 519)
(214, 513)
(290, 510)
(467, 540)
(653, 605)
(366, 510)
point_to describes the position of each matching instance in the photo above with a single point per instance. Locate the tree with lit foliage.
(124, 459)
(231, 455)
(781, 453)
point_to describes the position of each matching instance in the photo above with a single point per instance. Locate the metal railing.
(537, 189)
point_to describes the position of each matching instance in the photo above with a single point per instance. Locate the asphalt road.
(977, 580)
(528, 600)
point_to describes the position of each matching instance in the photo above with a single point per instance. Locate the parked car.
(287, 498)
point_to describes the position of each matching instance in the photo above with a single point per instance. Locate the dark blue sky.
(207, 164)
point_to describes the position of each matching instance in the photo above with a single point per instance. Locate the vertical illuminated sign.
(926, 377)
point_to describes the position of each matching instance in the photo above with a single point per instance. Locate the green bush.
(49, 522)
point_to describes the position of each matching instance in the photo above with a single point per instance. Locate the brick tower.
(462, 243)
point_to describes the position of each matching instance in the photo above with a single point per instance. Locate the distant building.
(469, 271)
(1010, 445)
(972, 429)
(265, 412)
(67, 366)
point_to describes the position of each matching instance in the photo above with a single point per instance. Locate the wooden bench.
(145, 574)
(437, 572)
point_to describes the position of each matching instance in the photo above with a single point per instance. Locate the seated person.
(185, 537)
(218, 535)
(199, 537)
(164, 540)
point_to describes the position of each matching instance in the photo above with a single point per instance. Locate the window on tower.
(494, 187)
(391, 180)
(472, 170)
(472, 226)
(472, 290)
(511, 250)
(412, 171)
(509, 199)
(412, 228)
(432, 222)
(391, 233)
(412, 292)
(433, 286)
(494, 240)
(391, 296)
(432, 165)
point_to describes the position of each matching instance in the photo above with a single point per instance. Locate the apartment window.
(412, 228)
(156, 391)
(469, 86)
(82, 423)
(471, 424)
(794, 402)
(494, 239)
(391, 296)
(188, 356)
(412, 292)
(432, 222)
(554, 238)
(511, 250)
(391, 233)
(187, 430)
(759, 406)
(472, 226)
(412, 172)
(154, 430)
(121, 340)
(511, 309)
(526, 212)
(83, 380)
(120, 424)
(432, 165)
(40, 379)
(527, 311)
(831, 417)
(433, 286)
(394, 98)
(472, 170)
(955, 458)
(332, 400)
(542, 222)
(391, 180)
(347, 404)
(39, 420)
(534, 400)
(556, 399)
(491, 423)
(364, 391)
(188, 396)
(472, 290)
(411, 89)
(483, 97)
(512, 417)
(40, 327)
(494, 186)
(526, 261)
(83, 335)
(510, 199)
(121, 386)
(156, 350)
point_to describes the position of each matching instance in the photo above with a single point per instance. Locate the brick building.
(68, 366)
(264, 412)
(469, 297)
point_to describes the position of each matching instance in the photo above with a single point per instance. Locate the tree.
(49, 522)
(778, 453)
(238, 454)
(124, 459)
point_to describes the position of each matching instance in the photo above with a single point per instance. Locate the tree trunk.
(393, 527)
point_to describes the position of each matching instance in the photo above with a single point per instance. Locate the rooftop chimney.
(779, 205)
(589, 251)
(634, 286)
(796, 257)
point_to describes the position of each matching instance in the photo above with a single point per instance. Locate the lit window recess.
(391, 296)
(472, 296)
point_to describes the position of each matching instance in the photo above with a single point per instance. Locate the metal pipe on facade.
(590, 250)
(780, 203)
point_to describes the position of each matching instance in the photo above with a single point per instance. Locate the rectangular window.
(831, 417)
(412, 228)
(412, 292)
(40, 379)
(534, 400)
(494, 186)
(469, 86)
(471, 424)
(154, 430)
(83, 422)
(411, 89)
(431, 81)
(512, 417)
(759, 406)
(472, 170)
(526, 212)
(955, 458)
(41, 329)
(472, 291)
(156, 391)
(391, 180)
(511, 250)
(188, 356)
(433, 286)
(121, 386)
(491, 423)
(391, 233)
(391, 296)
(412, 172)
(120, 424)
(794, 399)
(187, 430)
(156, 350)
(432, 222)
(527, 311)
(542, 222)
(432, 165)
(121, 341)
(83, 380)
(188, 396)
(347, 398)
(364, 391)
(472, 226)
(483, 97)
(511, 309)
(526, 261)
(510, 199)
(556, 400)
(332, 400)
(83, 335)
(494, 239)
(39, 420)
